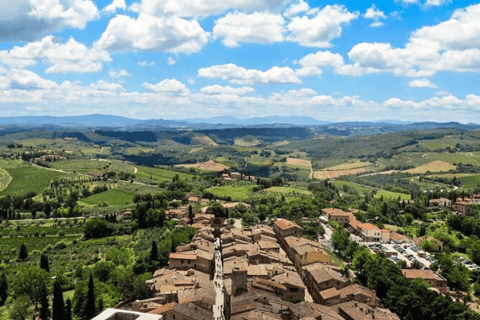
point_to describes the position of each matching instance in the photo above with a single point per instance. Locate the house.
(436, 281)
(440, 202)
(190, 311)
(269, 246)
(359, 311)
(295, 289)
(337, 215)
(353, 292)
(194, 199)
(462, 206)
(309, 310)
(385, 235)
(370, 232)
(319, 277)
(284, 228)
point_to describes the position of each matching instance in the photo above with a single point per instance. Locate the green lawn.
(287, 190)
(159, 175)
(27, 178)
(392, 195)
(112, 196)
(359, 188)
(452, 158)
(237, 193)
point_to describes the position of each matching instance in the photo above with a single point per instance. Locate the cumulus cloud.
(149, 33)
(115, 5)
(71, 56)
(195, 8)
(171, 61)
(107, 86)
(453, 45)
(319, 30)
(296, 8)
(375, 14)
(436, 3)
(30, 19)
(27, 80)
(118, 74)
(216, 89)
(168, 85)
(146, 63)
(239, 75)
(241, 27)
(422, 83)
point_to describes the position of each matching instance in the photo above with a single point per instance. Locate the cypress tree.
(3, 289)
(190, 214)
(100, 305)
(154, 251)
(44, 308)
(172, 248)
(90, 307)
(23, 254)
(58, 307)
(44, 263)
(68, 309)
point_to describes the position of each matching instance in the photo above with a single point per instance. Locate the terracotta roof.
(335, 212)
(162, 309)
(186, 256)
(425, 274)
(286, 224)
(367, 226)
(329, 293)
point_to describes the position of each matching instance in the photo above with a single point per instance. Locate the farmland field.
(159, 175)
(349, 166)
(392, 195)
(299, 162)
(112, 196)
(330, 174)
(209, 165)
(287, 190)
(434, 166)
(237, 193)
(357, 187)
(27, 178)
(86, 166)
(452, 158)
(467, 180)
(5, 179)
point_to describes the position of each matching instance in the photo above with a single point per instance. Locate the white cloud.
(107, 86)
(149, 33)
(407, 2)
(171, 61)
(319, 30)
(296, 8)
(453, 45)
(118, 74)
(115, 5)
(195, 8)
(322, 59)
(235, 74)
(437, 3)
(376, 24)
(71, 56)
(374, 13)
(146, 63)
(422, 83)
(216, 89)
(30, 19)
(168, 85)
(76, 15)
(27, 80)
(258, 27)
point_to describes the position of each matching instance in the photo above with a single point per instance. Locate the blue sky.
(416, 60)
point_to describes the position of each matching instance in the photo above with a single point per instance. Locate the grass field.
(5, 179)
(349, 166)
(113, 197)
(467, 180)
(434, 166)
(86, 166)
(392, 195)
(27, 178)
(331, 174)
(159, 175)
(287, 190)
(209, 166)
(359, 188)
(301, 163)
(452, 158)
(237, 193)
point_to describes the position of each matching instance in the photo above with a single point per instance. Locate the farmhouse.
(436, 281)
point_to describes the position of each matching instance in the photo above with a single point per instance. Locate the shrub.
(60, 245)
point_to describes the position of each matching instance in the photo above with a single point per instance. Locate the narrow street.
(218, 308)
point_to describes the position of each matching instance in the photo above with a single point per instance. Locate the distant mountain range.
(225, 122)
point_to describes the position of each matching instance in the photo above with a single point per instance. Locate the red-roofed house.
(370, 232)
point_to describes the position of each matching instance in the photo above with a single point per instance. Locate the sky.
(411, 60)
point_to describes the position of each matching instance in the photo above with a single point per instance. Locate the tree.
(68, 309)
(44, 307)
(190, 214)
(20, 309)
(29, 281)
(100, 305)
(23, 254)
(3, 289)
(97, 228)
(154, 251)
(44, 263)
(340, 239)
(90, 308)
(58, 307)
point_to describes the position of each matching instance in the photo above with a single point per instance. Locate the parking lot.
(405, 252)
